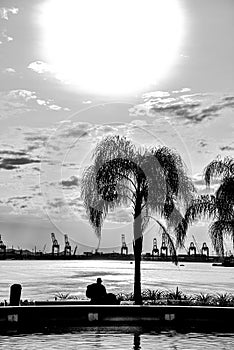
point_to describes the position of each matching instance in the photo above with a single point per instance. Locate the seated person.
(98, 295)
(96, 292)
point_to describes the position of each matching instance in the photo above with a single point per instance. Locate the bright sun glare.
(111, 47)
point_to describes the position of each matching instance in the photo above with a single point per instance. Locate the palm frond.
(95, 206)
(166, 237)
(113, 147)
(200, 207)
(216, 231)
(219, 168)
(225, 199)
(178, 183)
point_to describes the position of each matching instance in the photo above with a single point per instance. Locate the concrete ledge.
(48, 318)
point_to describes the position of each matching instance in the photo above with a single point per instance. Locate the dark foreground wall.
(49, 318)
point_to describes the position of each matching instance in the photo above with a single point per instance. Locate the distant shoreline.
(112, 256)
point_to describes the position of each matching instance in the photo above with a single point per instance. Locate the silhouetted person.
(96, 292)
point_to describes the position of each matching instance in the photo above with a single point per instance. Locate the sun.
(111, 47)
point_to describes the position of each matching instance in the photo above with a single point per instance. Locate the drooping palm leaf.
(219, 168)
(219, 207)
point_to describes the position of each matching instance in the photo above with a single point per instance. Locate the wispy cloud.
(45, 70)
(21, 93)
(5, 12)
(181, 91)
(15, 102)
(155, 94)
(9, 70)
(228, 148)
(73, 181)
(12, 153)
(193, 107)
(55, 107)
(12, 163)
(4, 37)
(40, 67)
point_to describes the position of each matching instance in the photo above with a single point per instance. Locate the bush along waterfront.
(177, 297)
(168, 297)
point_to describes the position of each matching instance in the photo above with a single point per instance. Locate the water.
(43, 280)
(106, 340)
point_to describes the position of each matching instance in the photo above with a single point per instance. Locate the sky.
(159, 72)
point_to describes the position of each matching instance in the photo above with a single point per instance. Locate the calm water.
(42, 280)
(106, 340)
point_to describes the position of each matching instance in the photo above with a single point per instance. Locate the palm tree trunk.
(137, 278)
(137, 248)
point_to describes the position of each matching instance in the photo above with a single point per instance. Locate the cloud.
(71, 182)
(35, 137)
(13, 153)
(7, 166)
(155, 94)
(15, 102)
(76, 130)
(37, 140)
(24, 94)
(46, 71)
(41, 102)
(228, 98)
(57, 203)
(5, 37)
(12, 163)
(193, 107)
(4, 15)
(40, 67)
(55, 107)
(30, 204)
(227, 148)
(202, 143)
(52, 107)
(9, 70)
(181, 91)
(11, 106)
(4, 12)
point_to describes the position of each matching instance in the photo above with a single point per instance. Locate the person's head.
(99, 280)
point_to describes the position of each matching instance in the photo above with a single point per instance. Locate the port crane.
(192, 249)
(67, 249)
(124, 248)
(2, 246)
(205, 249)
(155, 250)
(55, 245)
(163, 249)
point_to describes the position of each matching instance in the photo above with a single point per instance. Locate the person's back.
(96, 292)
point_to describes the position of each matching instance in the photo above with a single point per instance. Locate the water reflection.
(120, 339)
(137, 341)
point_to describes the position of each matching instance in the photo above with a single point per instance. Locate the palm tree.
(218, 207)
(149, 180)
